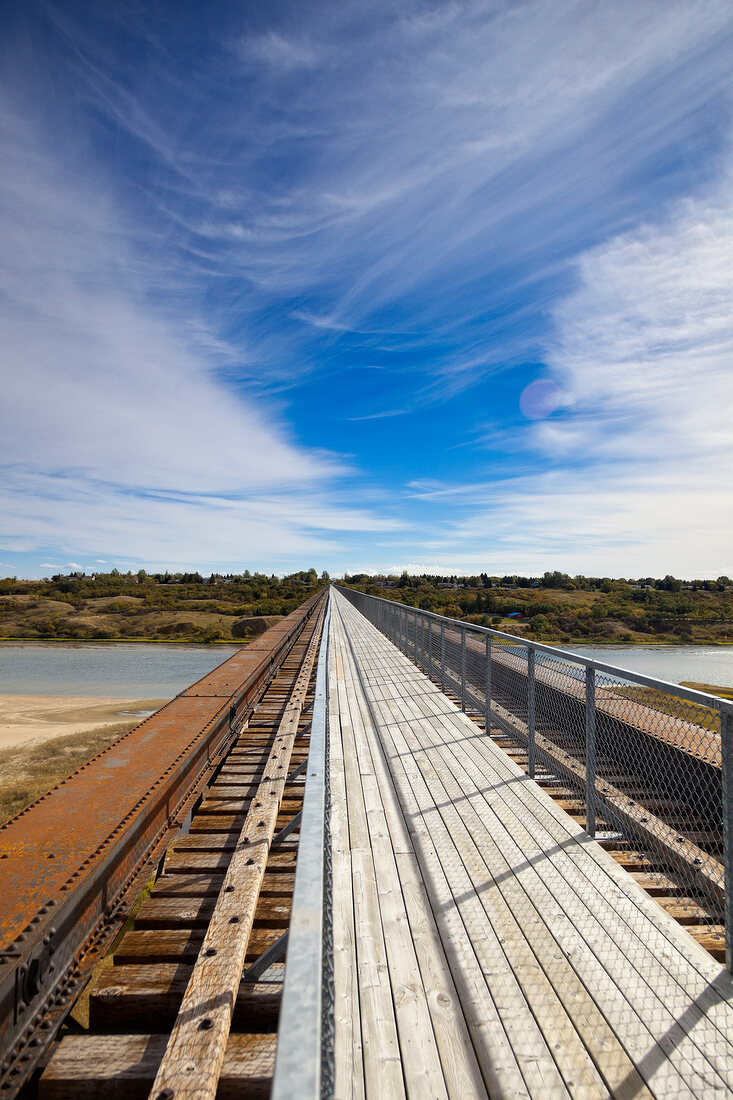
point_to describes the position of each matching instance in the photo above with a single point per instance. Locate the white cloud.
(444, 163)
(641, 458)
(112, 401)
(279, 51)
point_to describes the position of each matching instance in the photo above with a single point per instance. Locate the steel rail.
(72, 863)
(298, 1066)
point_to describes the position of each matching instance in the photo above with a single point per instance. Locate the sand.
(38, 717)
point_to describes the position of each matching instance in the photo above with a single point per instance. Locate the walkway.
(483, 944)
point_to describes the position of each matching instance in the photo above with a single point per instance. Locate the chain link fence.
(642, 764)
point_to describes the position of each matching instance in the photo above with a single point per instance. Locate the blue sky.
(367, 286)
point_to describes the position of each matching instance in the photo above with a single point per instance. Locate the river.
(119, 669)
(676, 663)
(140, 670)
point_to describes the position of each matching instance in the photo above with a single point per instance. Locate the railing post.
(463, 668)
(442, 656)
(590, 750)
(487, 685)
(530, 712)
(726, 745)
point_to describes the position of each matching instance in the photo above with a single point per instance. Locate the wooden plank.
(380, 1042)
(575, 851)
(469, 747)
(534, 1059)
(191, 912)
(200, 1033)
(466, 741)
(419, 1056)
(564, 1009)
(217, 860)
(181, 945)
(121, 1067)
(348, 1055)
(209, 885)
(416, 943)
(497, 1060)
(147, 998)
(655, 944)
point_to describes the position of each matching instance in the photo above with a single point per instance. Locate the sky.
(366, 286)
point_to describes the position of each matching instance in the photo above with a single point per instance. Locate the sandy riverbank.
(38, 717)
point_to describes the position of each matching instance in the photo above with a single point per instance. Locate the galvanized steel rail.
(653, 759)
(299, 1066)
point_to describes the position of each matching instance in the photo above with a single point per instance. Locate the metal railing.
(301, 1065)
(647, 763)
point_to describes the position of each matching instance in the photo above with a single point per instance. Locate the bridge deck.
(482, 943)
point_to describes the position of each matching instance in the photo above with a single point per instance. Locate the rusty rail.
(72, 863)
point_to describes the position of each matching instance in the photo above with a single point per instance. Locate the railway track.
(166, 1004)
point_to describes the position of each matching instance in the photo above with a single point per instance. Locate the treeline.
(184, 606)
(558, 607)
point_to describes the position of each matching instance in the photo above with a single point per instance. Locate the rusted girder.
(70, 862)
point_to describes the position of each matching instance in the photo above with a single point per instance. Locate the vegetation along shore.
(188, 607)
(556, 608)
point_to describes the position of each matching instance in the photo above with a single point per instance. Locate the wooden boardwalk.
(483, 944)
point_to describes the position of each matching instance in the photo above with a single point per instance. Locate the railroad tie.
(194, 1053)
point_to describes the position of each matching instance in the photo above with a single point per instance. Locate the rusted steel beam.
(69, 862)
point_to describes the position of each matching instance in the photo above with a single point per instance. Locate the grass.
(683, 709)
(28, 771)
(710, 689)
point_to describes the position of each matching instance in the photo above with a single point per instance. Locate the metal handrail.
(299, 1060)
(690, 694)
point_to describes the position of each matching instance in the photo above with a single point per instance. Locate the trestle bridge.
(381, 854)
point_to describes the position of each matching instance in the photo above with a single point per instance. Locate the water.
(140, 671)
(674, 663)
(119, 669)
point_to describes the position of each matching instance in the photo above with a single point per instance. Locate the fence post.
(429, 646)
(590, 750)
(530, 712)
(487, 685)
(442, 656)
(726, 745)
(463, 668)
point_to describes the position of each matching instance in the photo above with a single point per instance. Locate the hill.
(562, 609)
(165, 607)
